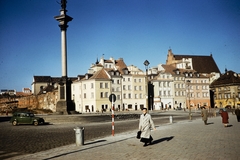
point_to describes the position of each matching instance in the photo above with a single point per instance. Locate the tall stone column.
(64, 104)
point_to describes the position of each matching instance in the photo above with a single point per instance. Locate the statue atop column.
(64, 4)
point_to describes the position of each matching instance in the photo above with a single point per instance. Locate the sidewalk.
(183, 140)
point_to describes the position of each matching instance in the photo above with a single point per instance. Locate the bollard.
(171, 119)
(79, 131)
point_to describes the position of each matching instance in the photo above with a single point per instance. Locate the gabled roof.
(169, 69)
(101, 74)
(42, 78)
(120, 65)
(229, 78)
(202, 64)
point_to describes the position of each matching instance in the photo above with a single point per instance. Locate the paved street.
(181, 140)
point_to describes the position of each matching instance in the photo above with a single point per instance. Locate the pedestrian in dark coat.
(237, 113)
(224, 115)
(145, 126)
(204, 113)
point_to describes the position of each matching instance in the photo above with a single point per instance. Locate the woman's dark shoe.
(145, 145)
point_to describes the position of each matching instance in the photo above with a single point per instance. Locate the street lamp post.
(146, 63)
(189, 95)
(233, 100)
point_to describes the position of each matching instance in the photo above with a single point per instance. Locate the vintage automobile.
(25, 118)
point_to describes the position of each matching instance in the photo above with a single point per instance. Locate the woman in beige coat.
(204, 113)
(145, 125)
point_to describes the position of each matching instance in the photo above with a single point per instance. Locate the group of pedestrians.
(223, 113)
(146, 123)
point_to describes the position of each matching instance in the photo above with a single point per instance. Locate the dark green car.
(25, 118)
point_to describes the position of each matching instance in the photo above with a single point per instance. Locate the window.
(129, 87)
(135, 88)
(124, 96)
(106, 85)
(124, 87)
(198, 94)
(140, 80)
(118, 97)
(92, 94)
(219, 96)
(85, 95)
(135, 80)
(140, 88)
(136, 96)
(140, 95)
(118, 82)
(129, 106)
(92, 86)
(129, 79)
(227, 95)
(84, 86)
(129, 96)
(101, 85)
(101, 95)
(106, 94)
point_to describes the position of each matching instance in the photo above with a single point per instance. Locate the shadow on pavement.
(210, 123)
(95, 142)
(162, 139)
(4, 119)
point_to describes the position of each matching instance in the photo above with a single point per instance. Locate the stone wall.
(46, 101)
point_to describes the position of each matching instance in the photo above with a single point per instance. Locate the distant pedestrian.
(204, 114)
(224, 115)
(145, 125)
(237, 112)
(214, 112)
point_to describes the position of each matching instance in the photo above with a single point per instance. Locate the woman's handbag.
(139, 134)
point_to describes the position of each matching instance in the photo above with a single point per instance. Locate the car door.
(24, 118)
(21, 118)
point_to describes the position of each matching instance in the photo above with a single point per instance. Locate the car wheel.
(14, 123)
(35, 123)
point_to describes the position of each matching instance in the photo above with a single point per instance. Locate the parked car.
(25, 118)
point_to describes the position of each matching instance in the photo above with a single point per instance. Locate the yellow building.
(226, 90)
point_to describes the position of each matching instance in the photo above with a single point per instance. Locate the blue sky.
(134, 30)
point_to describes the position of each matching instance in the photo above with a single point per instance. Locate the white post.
(112, 116)
(171, 119)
